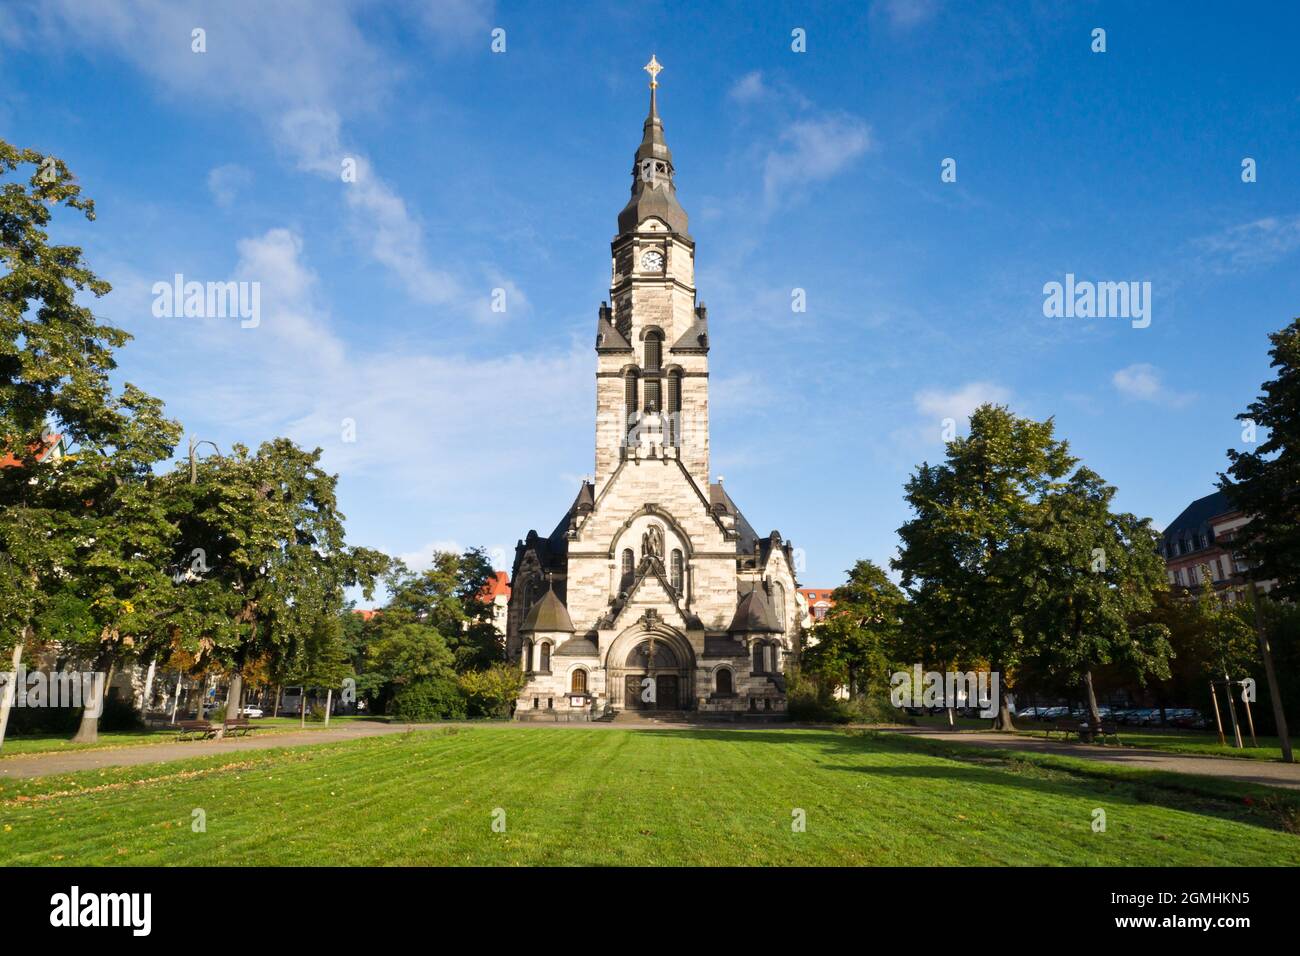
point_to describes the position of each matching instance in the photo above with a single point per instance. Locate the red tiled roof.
(499, 583)
(51, 443)
(817, 594)
(365, 614)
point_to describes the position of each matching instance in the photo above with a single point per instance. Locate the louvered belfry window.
(653, 352)
(652, 395)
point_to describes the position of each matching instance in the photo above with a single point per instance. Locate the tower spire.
(654, 192)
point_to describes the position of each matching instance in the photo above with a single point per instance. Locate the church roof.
(608, 337)
(578, 647)
(653, 193)
(695, 338)
(754, 614)
(719, 500)
(548, 614)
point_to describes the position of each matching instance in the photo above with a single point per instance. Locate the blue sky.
(817, 170)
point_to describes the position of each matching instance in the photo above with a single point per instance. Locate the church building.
(653, 593)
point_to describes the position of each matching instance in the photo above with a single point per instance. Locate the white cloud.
(903, 15)
(1143, 382)
(748, 88)
(813, 150)
(225, 182)
(1250, 245)
(295, 65)
(958, 404)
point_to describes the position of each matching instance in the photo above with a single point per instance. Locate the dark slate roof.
(754, 614)
(608, 337)
(695, 338)
(1194, 522)
(1197, 515)
(548, 614)
(658, 198)
(578, 647)
(719, 500)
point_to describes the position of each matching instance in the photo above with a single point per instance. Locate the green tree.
(262, 557)
(64, 529)
(964, 560)
(1265, 482)
(857, 641)
(492, 691)
(1093, 576)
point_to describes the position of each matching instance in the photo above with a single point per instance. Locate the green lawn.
(59, 743)
(597, 796)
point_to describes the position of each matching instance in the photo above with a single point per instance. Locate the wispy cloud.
(749, 88)
(959, 403)
(1249, 246)
(299, 83)
(812, 150)
(226, 182)
(1143, 382)
(903, 15)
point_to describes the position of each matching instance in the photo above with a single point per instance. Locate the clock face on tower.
(652, 261)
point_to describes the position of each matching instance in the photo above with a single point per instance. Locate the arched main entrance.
(652, 670)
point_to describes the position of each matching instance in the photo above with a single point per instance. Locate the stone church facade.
(653, 593)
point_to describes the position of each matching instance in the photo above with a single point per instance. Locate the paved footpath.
(1225, 768)
(41, 765)
(1272, 773)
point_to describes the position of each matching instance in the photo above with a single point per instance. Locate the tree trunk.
(278, 691)
(148, 686)
(1090, 698)
(11, 686)
(329, 699)
(302, 709)
(176, 701)
(1275, 698)
(1003, 720)
(233, 694)
(93, 705)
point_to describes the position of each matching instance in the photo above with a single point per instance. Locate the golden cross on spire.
(653, 68)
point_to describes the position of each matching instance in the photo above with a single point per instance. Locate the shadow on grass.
(1269, 809)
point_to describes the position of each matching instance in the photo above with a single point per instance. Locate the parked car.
(248, 710)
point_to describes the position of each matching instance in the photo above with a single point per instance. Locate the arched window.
(630, 404)
(654, 351)
(673, 406)
(627, 569)
(676, 571)
(778, 601)
(723, 682)
(546, 658)
(652, 402)
(758, 657)
(528, 657)
(578, 684)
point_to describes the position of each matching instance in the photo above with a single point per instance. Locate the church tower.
(652, 376)
(653, 593)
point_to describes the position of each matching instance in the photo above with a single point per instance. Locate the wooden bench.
(1107, 728)
(195, 730)
(1067, 728)
(239, 728)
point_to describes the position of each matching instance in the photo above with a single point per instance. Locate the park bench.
(1067, 728)
(1107, 728)
(194, 730)
(239, 728)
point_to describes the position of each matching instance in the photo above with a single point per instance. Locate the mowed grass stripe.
(582, 797)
